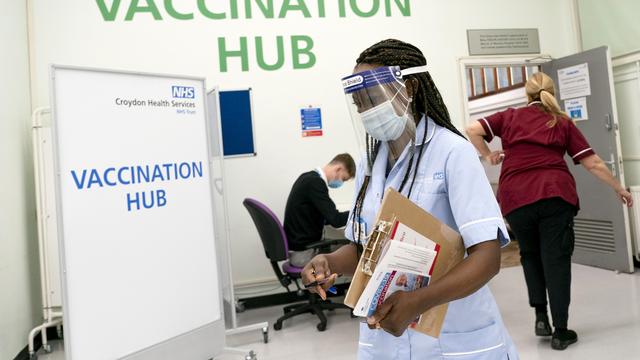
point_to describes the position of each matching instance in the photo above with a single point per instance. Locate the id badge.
(361, 230)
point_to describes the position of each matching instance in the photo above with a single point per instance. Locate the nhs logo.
(183, 92)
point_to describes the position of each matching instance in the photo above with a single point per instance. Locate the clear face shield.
(380, 106)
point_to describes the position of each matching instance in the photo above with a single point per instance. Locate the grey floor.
(605, 311)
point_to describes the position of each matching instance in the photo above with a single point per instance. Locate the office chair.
(276, 249)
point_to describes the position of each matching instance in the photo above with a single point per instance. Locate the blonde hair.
(540, 87)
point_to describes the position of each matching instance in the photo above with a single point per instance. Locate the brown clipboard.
(396, 207)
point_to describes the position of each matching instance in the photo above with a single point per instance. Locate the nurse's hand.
(495, 157)
(396, 313)
(317, 270)
(624, 196)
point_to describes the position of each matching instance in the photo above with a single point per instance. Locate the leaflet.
(406, 264)
(402, 232)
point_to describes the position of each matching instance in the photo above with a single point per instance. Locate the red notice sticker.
(312, 133)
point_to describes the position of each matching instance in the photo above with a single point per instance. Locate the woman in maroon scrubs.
(537, 195)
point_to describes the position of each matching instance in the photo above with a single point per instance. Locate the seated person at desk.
(309, 207)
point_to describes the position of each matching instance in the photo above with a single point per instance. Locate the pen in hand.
(332, 289)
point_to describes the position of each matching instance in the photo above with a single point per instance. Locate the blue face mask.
(334, 184)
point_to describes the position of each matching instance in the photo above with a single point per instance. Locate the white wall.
(73, 32)
(19, 279)
(612, 22)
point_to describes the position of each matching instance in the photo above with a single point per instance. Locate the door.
(602, 231)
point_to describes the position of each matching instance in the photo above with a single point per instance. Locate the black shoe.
(542, 325)
(561, 339)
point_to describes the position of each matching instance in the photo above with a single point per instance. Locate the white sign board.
(577, 108)
(574, 81)
(135, 201)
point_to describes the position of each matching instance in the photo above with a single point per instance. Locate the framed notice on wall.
(503, 41)
(311, 121)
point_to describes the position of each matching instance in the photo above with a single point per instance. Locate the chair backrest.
(270, 230)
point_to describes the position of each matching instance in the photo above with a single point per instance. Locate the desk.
(331, 233)
(343, 206)
(336, 233)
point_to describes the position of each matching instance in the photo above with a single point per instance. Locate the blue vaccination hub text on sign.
(88, 179)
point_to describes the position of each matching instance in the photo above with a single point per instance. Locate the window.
(486, 81)
(491, 79)
(478, 80)
(504, 77)
(518, 74)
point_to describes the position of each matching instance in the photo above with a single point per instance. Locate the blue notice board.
(236, 117)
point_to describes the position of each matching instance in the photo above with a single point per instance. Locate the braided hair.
(426, 100)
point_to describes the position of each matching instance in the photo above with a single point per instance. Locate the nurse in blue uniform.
(411, 146)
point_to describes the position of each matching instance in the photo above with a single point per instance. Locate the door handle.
(607, 122)
(612, 163)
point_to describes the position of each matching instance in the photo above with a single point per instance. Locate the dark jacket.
(309, 208)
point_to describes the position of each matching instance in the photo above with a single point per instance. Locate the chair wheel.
(277, 325)
(321, 326)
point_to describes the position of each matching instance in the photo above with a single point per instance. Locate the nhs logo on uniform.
(183, 92)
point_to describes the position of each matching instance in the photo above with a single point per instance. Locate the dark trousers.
(544, 231)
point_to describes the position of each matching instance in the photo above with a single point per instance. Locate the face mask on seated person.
(334, 184)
